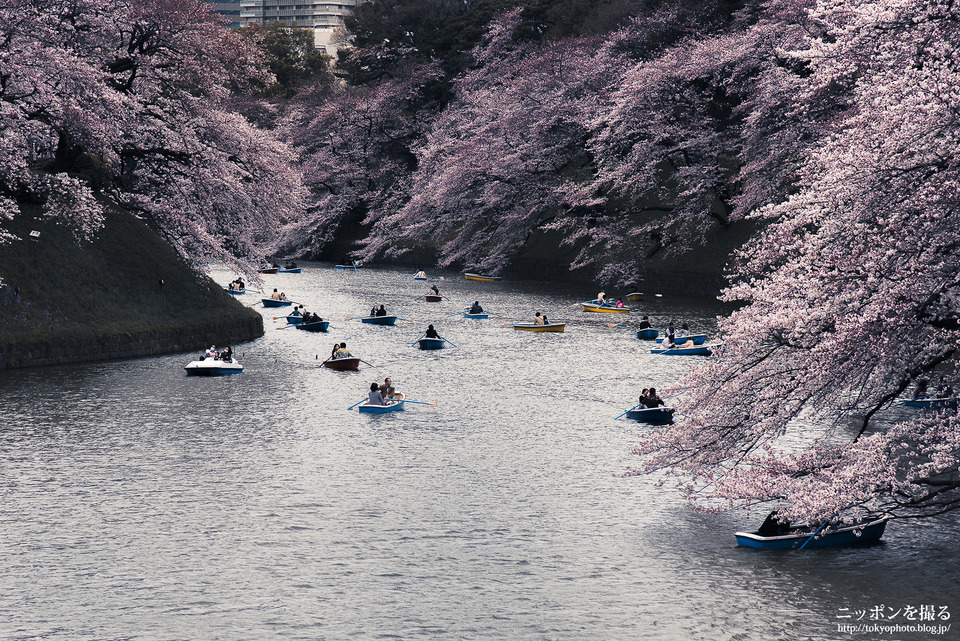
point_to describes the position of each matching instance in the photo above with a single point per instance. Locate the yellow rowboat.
(635, 296)
(605, 309)
(469, 276)
(533, 327)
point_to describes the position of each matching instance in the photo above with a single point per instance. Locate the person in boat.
(381, 312)
(283, 296)
(602, 298)
(375, 397)
(537, 319)
(545, 321)
(921, 389)
(642, 402)
(434, 290)
(420, 274)
(774, 525)
(296, 311)
(619, 304)
(211, 352)
(431, 332)
(290, 265)
(342, 352)
(226, 355)
(475, 308)
(653, 400)
(682, 337)
(388, 390)
(644, 323)
(275, 295)
(373, 310)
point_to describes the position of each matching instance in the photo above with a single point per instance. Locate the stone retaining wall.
(130, 345)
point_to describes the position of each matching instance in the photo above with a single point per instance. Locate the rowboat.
(477, 316)
(236, 292)
(391, 406)
(270, 302)
(652, 415)
(342, 364)
(933, 403)
(647, 334)
(683, 351)
(213, 367)
(809, 537)
(470, 276)
(697, 339)
(533, 327)
(378, 320)
(346, 266)
(268, 270)
(433, 298)
(314, 326)
(634, 296)
(292, 270)
(431, 343)
(294, 319)
(608, 308)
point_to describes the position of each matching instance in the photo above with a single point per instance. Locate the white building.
(326, 18)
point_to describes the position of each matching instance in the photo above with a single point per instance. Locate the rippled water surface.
(138, 503)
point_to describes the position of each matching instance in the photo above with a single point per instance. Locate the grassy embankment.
(56, 291)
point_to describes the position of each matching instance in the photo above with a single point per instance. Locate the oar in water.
(445, 340)
(288, 326)
(434, 403)
(630, 410)
(357, 403)
(813, 535)
(619, 326)
(363, 361)
(349, 318)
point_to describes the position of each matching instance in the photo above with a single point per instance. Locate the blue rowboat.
(392, 406)
(698, 339)
(236, 292)
(213, 367)
(647, 334)
(294, 319)
(931, 403)
(431, 343)
(346, 266)
(479, 316)
(292, 270)
(269, 302)
(652, 415)
(378, 320)
(314, 326)
(683, 351)
(809, 537)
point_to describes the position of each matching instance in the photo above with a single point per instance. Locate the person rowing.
(475, 308)
(431, 332)
(434, 290)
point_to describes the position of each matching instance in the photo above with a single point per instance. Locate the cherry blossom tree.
(851, 295)
(114, 101)
(489, 171)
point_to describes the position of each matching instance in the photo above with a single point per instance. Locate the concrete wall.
(132, 345)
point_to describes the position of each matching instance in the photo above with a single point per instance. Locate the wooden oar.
(357, 403)
(630, 410)
(434, 403)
